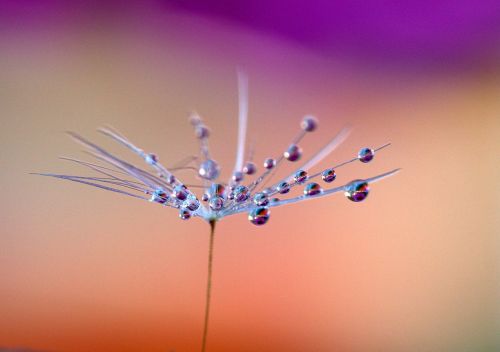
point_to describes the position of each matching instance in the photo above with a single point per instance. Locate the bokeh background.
(413, 268)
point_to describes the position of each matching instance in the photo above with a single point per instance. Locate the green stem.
(209, 284)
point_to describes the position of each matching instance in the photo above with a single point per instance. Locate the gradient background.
(414, 268)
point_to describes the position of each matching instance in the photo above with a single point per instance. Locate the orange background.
(413, 268)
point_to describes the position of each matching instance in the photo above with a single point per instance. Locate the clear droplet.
(283, 187)
(216, 203)
(260, 199)
(204, 197)
(241, 194)
(309, 123)
(357, 190)
(237, 176)
(180, 192)
(184, 214)
(191, 203)
(201, 131)
(249, 168)
(259, 215)
(269, 163)
(328, 175)
(300, 176)
(151, 159)
(171, 179)
(159, 196)
(312, 189)
(293, 153)
(216, 190)
(209, 170)
(365, 155)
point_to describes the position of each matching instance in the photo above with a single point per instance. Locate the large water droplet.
(216, 190)
(260, 199)
(180, 192)
(209, 170)
(300, 176)
(159, 196)
(259, 215)
(283, 187)
(366, 155)
(191, 203)
(357, 190)
(312, 189)
(216, 203)
(293, 153)
(328, 175)
(249, 168)
(237, 176)
(241, 194)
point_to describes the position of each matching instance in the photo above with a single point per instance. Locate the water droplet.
(171, 179)
(259, 215)
(180, 192)
(241, 194)
(329, 175)
(293, 153)
(366, 155)
(357, 190)
(269, 163)
(237, 176)
(216, 203)
(309, 123)
(283, 187)
(312, 189)
(159, 196)
(204, 197)
(191, 203)
(216, 190)
(274, 200)
(209, 169)
(201, 131)
(249, 168)
(151, 159)
(184, 214)
(260, 199)
(300, 176)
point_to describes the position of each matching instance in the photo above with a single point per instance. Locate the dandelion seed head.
(254, 196)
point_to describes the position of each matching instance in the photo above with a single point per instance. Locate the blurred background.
(413, 268)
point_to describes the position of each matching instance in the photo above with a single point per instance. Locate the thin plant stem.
(209, 284)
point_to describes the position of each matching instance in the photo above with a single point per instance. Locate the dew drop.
(180, 192)
(312, 189)
(249, 168)
(241, 194)
(365, 155)
(309, 123)
(328, 175)
(300, 176)
(260, 199)
(151, 159)
(216, 203)
(159, 196)
(209, 169)
(237, 176)
(184, 214)
(259, 216)
(293, 153)
(191, 203)
(283, 187)
(269, 163)
(357, 190)
(216, 190)
(201, 131)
